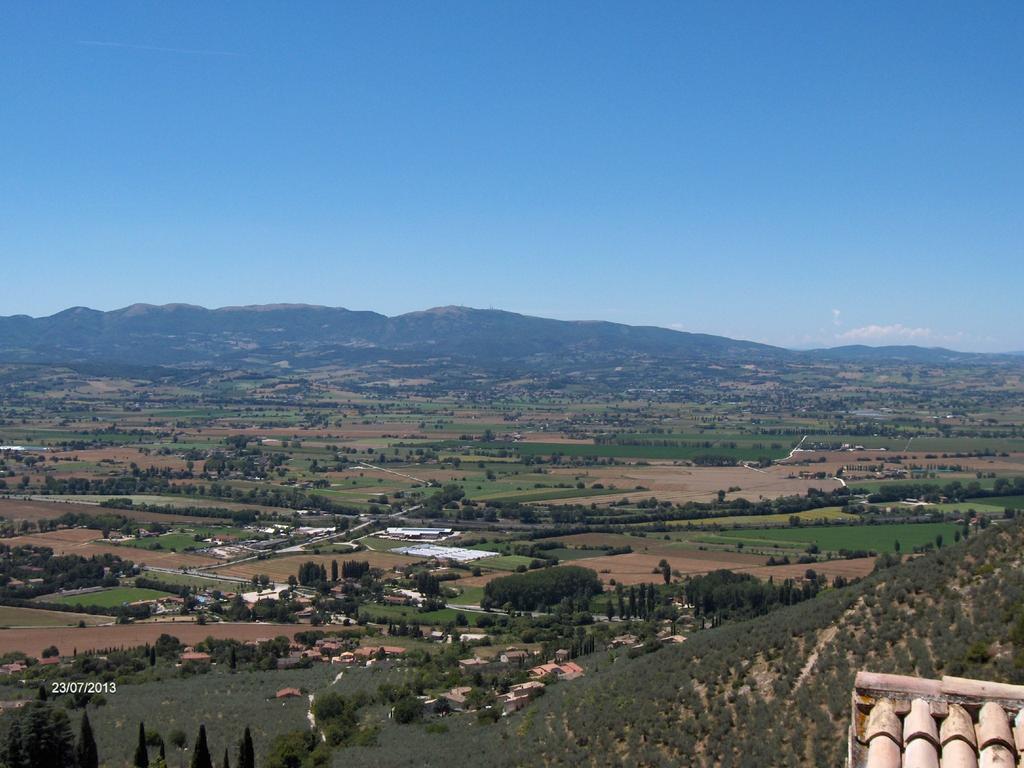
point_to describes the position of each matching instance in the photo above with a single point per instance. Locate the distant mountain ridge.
(310, 336)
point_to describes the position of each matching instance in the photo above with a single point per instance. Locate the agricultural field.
(829, 514)
(280, 568)
(67, 639)
(707, 482)
(192, 580)
(37, 617)
(876, 538)
(83, 542)
(107, 598)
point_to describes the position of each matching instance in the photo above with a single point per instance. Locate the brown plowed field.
(67, 639)
(23, 509)
(680, 484)
(280, 568)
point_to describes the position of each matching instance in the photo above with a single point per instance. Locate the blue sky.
(797, 173)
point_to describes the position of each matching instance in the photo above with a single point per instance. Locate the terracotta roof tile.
(883, 753)
(993, 727)
(883, 721)
(907, 722)
(996, 756)
(920, 724)
(959, 754)
(958, 725)
(1018, 731)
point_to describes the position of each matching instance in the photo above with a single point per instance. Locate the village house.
(511, 702)
(286, 693)
(514, 656)
(620, 641)
(473, 665)
(191, 654)
(567, 671)
(369, 652)
(14, 668)
(456, 697)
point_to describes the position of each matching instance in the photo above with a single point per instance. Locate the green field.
(188, 580)
(468, 596)
(546, 494)
(1003, 502)
(832, 538)
(505, 562)
(810, 515)
(184, 538)
(682, 449)
(107, 598)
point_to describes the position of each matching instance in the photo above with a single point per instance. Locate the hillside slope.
(177, 334)
(773, 691)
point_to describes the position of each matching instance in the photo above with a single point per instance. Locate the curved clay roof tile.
(957, 725)
(921, 753)
(884, 753)
(994, 727)
(920, 724)
(883, 721)
(996, 756)
(959, 754)
(1018, 731)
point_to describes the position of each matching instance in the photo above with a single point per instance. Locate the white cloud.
(896, 331)
(835, 317)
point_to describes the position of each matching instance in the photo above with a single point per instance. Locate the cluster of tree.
(237, 516)
(201, 757)
(354, 569)
(29, 571)
(636, 602)
(160, 484)
(954, 491)
(312, 574)
(542, 588)
(428, 584)
(739, 595)
(337, 719)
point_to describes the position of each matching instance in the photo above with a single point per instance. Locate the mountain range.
(308, 336)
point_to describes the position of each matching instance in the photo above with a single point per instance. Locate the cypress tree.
(201, 756)
(225, 763)
(141, 753)
(246, 753)
(85, 751)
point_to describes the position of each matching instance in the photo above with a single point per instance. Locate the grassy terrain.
(810, 515)
(37, 617)
(505, 562)
(188, 580)
(108, 598)
(1007, 502)
(547, 494)
(879, 538)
